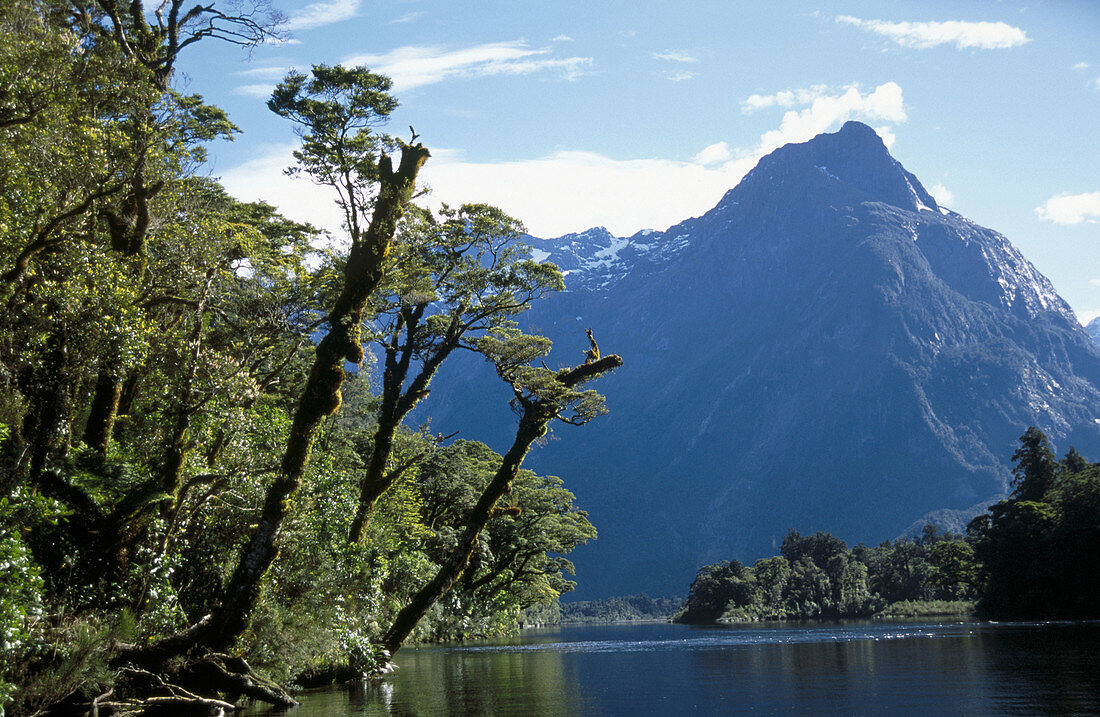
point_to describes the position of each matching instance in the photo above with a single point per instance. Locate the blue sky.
(639, 114)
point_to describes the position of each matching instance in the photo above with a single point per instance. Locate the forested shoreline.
(208, 488)
(1033, 556)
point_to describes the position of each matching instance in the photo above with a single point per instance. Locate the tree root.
(204, 683)
(232, 677)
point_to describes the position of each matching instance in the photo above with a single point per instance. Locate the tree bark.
(47, 393)
(321, 394)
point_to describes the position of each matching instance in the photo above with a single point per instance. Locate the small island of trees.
(1033, 556)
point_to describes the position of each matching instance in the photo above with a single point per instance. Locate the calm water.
(657, 669)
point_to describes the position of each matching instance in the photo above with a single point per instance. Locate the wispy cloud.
(675, 56)
(1069, 209)
(681, 76)
(963, 35)
(259, 91)
(1081, 66)
(713, 154)
(325, 12)
(415, 66)
(265, 73)
(408, 17)
(562, 38)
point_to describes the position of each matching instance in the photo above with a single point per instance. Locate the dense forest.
(1035, 555)
(208, 486)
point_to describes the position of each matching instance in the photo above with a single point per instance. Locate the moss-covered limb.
(321, 394)
(532, 426)
(48, 234)
(202, 683)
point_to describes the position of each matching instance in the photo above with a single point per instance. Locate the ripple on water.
(723, 638)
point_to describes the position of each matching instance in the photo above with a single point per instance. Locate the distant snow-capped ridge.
(596, 259)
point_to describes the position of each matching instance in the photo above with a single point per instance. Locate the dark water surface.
(913, 668)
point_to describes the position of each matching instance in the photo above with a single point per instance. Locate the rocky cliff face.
(826, 349)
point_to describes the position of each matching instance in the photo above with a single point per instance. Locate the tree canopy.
(194, 465)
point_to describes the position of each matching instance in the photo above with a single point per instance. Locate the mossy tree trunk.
(396, 404)
(104, 411)
(321, 393)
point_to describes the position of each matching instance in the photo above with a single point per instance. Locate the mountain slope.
(826, 349)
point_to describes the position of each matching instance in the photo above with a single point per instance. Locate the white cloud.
(963, 35)
(1096, 83)
(572, 190)
(943, 196)
(1071, 208)
(1088, 315)
(561, 38)
(260, 90)
(681, 76)
(713, 154)
(296, 197)
(675, 56)
(827, 109)
(562, 192)
(415, 66)
(886, 134)
(1094, 282)
(322, 13)
(1081, 66)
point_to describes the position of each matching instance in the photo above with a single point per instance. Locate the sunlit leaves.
(338, 111)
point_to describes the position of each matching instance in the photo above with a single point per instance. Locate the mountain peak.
(860, 131)
(854, 161)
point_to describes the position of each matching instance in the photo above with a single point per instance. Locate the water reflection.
(869, 669)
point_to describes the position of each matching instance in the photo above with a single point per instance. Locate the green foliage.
(338, 111)
(63, 662)
(620, 609)
(156, 339)
(817, 576)
(1035, 555)
(1035, 466)
(20, 597)
(911, 609)
(1039, 549)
